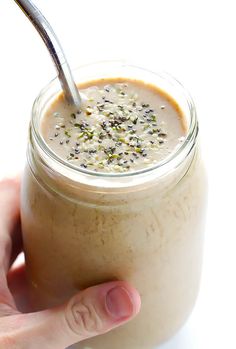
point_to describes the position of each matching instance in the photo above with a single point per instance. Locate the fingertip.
(122, 297)
(134, 296)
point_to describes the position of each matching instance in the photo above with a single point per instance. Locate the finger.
(16, 277)
(17, 243)
(7, 303)
(18, 286)
(9, 219)
(91, 312)
(9, 202)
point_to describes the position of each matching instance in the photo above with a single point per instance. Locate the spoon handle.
(54, 47)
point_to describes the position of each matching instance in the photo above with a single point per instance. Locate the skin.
(90, 312)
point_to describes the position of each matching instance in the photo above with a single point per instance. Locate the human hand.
(93, 311)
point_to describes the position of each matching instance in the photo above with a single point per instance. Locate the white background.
(193, 40)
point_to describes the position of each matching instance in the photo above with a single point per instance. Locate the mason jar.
(81, 228)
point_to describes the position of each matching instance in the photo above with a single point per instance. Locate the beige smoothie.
(97, 206)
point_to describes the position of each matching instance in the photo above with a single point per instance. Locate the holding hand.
(93, 311)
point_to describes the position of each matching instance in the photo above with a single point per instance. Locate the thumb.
(93, 311)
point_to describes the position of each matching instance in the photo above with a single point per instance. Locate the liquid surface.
(124, 125)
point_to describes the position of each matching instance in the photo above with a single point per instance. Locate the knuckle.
(83, 319)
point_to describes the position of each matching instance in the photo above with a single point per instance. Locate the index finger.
(10, 235)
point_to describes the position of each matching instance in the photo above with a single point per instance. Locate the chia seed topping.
(115, 131)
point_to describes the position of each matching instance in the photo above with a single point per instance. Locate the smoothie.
(116, 190)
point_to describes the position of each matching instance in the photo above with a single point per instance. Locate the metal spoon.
(54, 47)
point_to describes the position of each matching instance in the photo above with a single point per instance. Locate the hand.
(93, 311)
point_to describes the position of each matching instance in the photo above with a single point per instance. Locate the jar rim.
(168, 162)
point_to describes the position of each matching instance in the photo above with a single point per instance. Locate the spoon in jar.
(72, 95)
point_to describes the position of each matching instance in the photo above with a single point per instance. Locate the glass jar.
(81, 228)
